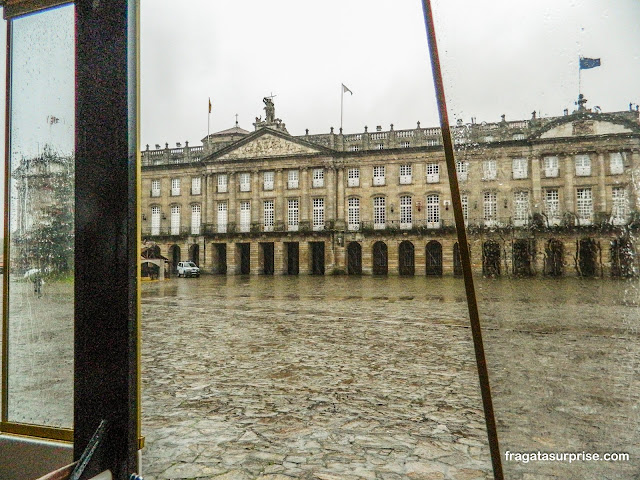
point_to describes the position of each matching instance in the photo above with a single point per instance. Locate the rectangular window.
(616, 163)
(520, 168)
(175, 187)
(584, 208)
(521, 213)
(155, 220)
(490, 209)
(583, 165)
(619, 206)
(293, 214)
(552, 206)
(245, 182)
(318, 213)
(175, 220)
(292, 179)
(379, 212)
(405, 174)
(406, 212)
(196, 219)
(380, 146)
(433, 173)
(406, 144)
(269, 215)
(462, 168)
(222, 216)
(353, 177)
(353, 213)
(245, 216)
(433, 211)
(464, 199)
(378, 175)
(551, 167)
(155, 188)
(223, 182)
(196, 186)
(489, 170)
(268, 178)
(354, 148)
(318, 178)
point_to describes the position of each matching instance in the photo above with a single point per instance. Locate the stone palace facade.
(551, 196)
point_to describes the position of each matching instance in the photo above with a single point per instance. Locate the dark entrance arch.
(380, 258)
(174, 254)
(406, 258)
(354, 259)
(587, 257)
(554, 258)
(521, 257)
(317, 258)
(434, 258)
(491, 259)
(244, 257)
(194, 254)
(220, 258)
(267, 257)
(293, 255)
(622, 258)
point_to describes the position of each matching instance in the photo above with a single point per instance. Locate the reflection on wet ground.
(365, 377)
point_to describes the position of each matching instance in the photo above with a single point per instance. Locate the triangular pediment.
(267, 143)
(587, 125)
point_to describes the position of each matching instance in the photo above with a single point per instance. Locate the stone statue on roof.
(269, 109)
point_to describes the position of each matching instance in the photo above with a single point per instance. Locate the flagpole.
(341, 103)
(209, 120)
(579, 77)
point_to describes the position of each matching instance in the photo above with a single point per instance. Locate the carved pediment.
(268, 145)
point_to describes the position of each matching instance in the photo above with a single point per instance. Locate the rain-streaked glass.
(552, 182)
(41, 185)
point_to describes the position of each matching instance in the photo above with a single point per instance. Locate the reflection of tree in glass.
(43, 237)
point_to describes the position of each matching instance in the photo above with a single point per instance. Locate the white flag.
(345, 89)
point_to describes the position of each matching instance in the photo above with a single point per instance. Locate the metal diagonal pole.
(481, 362)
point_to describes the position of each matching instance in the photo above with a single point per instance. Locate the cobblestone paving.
(365, 378)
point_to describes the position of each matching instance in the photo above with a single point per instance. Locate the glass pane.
(40, 265)
(339, 354)
(556, 276)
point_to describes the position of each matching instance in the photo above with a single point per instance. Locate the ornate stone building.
(548, 196)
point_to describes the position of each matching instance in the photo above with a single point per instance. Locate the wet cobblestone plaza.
(375, 378)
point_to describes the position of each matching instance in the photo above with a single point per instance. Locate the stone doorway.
(434, 258)
(406, 258)
(354, 259)
(380, 259)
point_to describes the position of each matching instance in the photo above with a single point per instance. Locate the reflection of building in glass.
(545, 195)
(42, 210)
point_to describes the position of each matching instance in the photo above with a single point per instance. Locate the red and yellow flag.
(209, 104)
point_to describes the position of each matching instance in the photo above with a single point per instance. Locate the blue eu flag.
(586, 63)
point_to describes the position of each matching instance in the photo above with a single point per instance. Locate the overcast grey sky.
(499, 56)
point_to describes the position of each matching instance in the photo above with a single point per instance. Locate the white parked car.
(188, 269)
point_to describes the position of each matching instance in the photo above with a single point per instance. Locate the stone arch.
(174, 258)
(194, 254)
(354, 258)
(522, 253)
(434, 258)
(587, 253)
(554, 258)
(622, 258)
(491, 259)
(406, 258)
(380, 258)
